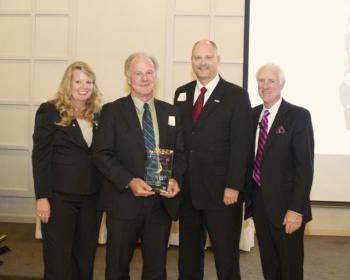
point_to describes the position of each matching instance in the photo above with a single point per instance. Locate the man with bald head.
(129, 127)
(218, 137)
(280, 178)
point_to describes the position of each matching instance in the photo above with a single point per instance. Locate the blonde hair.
(62, 98)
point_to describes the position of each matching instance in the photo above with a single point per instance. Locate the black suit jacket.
(218, 144)
(119, 153)
(287, 163)
(62, 160)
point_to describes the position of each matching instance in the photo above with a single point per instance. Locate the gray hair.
(277, 68)
(139, 54)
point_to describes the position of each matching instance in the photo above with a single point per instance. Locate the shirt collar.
(139, 103)
(211, 85)
(273, 110)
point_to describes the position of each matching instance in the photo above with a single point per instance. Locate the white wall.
(108, 31)
(314, 51)
(42, 37)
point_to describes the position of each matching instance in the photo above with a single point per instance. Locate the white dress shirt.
(210, 88)
(273, 112)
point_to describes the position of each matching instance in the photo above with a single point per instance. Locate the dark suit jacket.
(119, 153)
(218, 145)
(287, 163)
(62, 160)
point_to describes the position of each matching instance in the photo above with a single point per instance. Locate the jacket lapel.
(95, 121)
(188, 104)
(162, 119)
(75, 131)
(132, 120)
(256, 116)
(212, 103)
(278, 119)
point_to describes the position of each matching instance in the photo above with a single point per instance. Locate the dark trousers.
(70, 237)
(282, 255)
(224, 229)
(152, 228)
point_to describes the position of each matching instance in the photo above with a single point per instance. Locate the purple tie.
(261, 143)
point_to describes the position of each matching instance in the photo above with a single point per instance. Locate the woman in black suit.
(65, 179)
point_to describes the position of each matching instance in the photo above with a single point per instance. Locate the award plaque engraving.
(159, 165)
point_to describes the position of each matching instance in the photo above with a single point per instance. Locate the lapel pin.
(217, 100)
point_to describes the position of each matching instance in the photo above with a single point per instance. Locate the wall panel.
(229, 6)
(230, 47)
(192, 6)
(185, 29)
(51, 38)
(14, 125)
(15, 81)
(52, 6)
(15, 34)
(47, 75)
(15, 5)
(189, 21)
(38, 40)
(14, 171)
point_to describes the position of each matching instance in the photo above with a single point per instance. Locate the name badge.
(171, 121)
(182, 96)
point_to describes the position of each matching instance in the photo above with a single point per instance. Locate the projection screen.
(311, 41)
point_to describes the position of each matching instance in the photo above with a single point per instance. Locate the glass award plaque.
(159, 165)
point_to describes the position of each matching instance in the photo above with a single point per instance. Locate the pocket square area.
(280, 130)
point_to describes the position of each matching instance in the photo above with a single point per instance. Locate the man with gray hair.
(280, 178)
(129, 128)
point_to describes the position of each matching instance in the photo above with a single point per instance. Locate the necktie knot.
(265, 115)
(264, 120)
(203, 90)
(146, 106)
